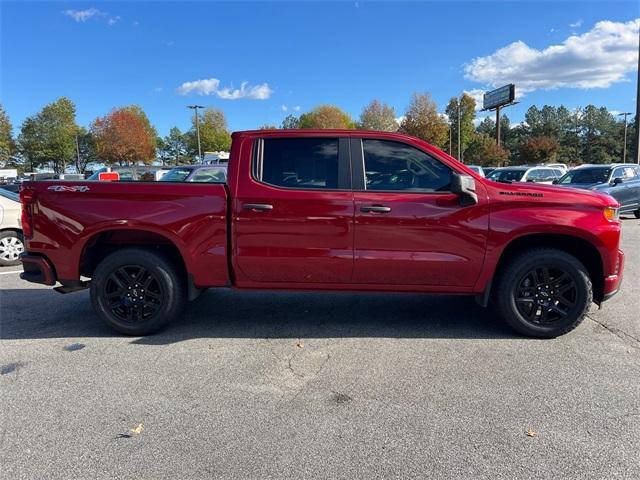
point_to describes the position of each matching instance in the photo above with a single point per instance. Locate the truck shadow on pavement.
(41, 313)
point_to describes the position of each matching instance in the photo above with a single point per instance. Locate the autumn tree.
(422, 120)
(7, 145)
(290, 121)
(123, 137)
(539, 150)
(464, 109)
(326, 116)
(48, 138)
(483, 150)
(214, 133)
(174, 147)
(378, 116)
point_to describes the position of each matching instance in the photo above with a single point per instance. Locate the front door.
(409, 228)
(293, 218)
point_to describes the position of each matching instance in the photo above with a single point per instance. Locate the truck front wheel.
(543, 293)
(137, 291)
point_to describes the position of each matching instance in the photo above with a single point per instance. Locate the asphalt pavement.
(280, 385)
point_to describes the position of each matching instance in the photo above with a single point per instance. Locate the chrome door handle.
(375, 209)
(258, 207)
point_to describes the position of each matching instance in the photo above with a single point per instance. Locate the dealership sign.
(499, 97)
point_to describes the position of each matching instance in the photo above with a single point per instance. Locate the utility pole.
(637, 139)
(624, 145)
(459, 153)
(195, 108)
(77, 154)
(450, 152)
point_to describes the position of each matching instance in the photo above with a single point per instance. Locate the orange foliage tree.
(123, 137)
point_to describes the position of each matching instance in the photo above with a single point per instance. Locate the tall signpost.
(496, 99)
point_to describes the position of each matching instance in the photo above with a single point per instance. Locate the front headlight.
(611, 213)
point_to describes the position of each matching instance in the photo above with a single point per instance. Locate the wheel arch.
(578, 247)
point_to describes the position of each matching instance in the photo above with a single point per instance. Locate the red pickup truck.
(326, 210)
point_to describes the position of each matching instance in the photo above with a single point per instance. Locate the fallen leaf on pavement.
(531, 432)
(300, 345)
(137, 430)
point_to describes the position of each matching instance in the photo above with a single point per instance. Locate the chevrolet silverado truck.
(328, 210)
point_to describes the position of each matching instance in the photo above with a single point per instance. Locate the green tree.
(174, 147)
(483, 150)
(422, 120)
(214, 133)
(267, 126)
(599, 142)
(378, 116)
(324, 117)
(539, 150)
(290, 122)
(48, 138)
(85, 149)
(7, 145)
(464, 108)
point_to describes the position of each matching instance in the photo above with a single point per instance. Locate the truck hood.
(546, 194)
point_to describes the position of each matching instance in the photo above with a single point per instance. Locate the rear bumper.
(612, 282)
(37, 269)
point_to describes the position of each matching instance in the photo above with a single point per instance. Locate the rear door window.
(307, 163)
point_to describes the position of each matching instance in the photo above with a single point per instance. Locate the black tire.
(11, 246)
(137, 291)
(637, 213)
(533, 310)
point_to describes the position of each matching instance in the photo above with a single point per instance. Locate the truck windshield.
(507, 175)
(586, 176)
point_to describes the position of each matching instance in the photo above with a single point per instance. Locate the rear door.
(409, 227)
(293, 216)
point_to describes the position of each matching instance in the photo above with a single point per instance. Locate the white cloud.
(596, 59)
(400, 119)
(81, 16)
(443, 116)
(296, 108)
(211, 86)
(158, 89)
(284, 108)
(576, 24)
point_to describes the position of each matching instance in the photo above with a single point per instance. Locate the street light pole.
(195, 108)
(459, 154)
(624, 145)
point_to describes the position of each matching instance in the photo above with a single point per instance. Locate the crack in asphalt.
(635, 342)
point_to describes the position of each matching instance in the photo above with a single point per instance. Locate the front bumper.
(612, 282)
(37, 269)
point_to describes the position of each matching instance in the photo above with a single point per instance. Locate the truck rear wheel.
(137, 291)
(543, 293)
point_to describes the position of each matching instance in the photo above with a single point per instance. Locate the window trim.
(344, 176)
(358, 171)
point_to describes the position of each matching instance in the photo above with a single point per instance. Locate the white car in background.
(11, 240)
(524, 173)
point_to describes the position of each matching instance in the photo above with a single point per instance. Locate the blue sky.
(299, 55)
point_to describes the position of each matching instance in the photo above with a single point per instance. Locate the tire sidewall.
(512, 278)
(171, 288)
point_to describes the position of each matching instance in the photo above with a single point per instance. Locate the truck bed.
(69, 219)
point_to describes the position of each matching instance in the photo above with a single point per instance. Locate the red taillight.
(27, 197)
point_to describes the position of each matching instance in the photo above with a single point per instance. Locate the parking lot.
(277, 385)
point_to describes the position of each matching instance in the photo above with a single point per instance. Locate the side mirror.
(465, 187)
(617, 181)
(555, 181)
